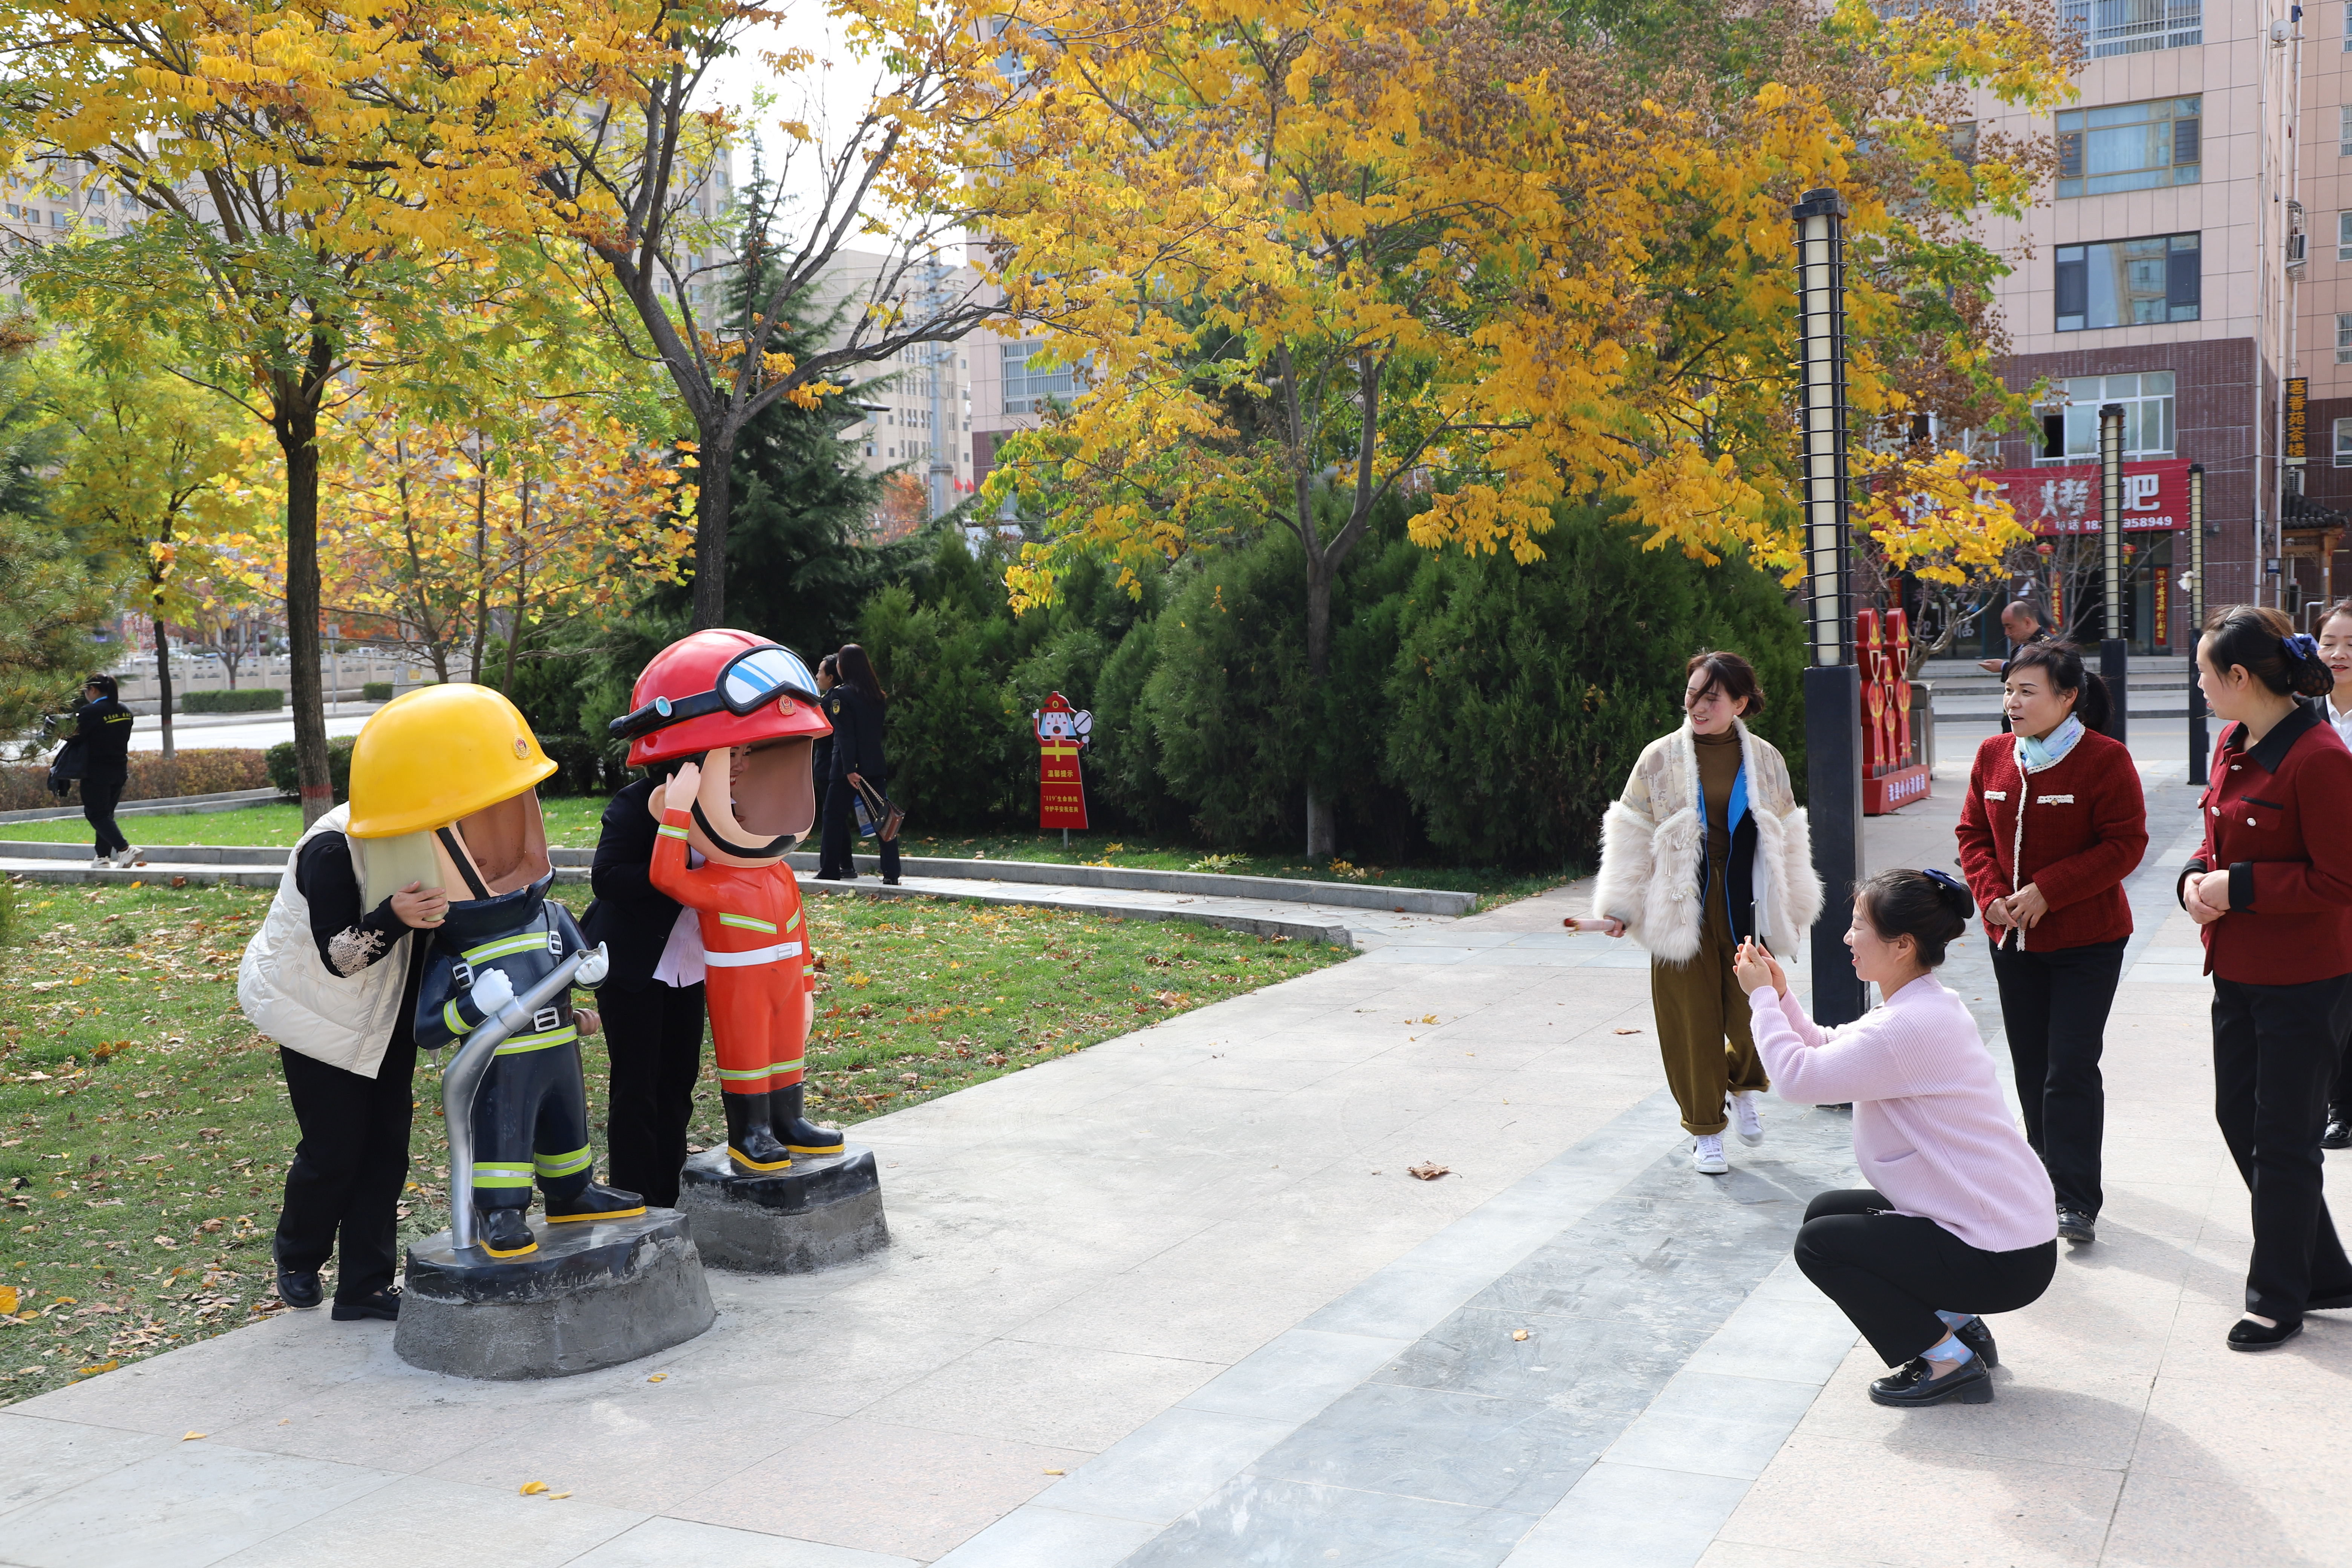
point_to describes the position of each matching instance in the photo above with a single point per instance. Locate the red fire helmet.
(718, 688)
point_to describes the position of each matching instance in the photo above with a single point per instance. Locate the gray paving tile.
(1616, 1363)
(1034, 1536)
(189, 1506)
(1158, 1472)
(1276, 1524)
(1296, 1374)
(45, 1457)
(668, 1543)
(1625, 1516)
(1521, 1455)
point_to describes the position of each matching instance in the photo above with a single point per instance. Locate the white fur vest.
(1654, 835)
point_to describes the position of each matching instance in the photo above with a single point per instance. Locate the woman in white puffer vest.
(1706, 847)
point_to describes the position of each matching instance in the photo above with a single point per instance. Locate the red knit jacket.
(2086, 829)
(2274, 815)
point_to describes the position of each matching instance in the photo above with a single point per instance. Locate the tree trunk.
(514, 633)
(717, 458)
(1322, 825)
(298, 429)
(164, 684)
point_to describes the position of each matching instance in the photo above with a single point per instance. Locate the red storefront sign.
(2065, 500)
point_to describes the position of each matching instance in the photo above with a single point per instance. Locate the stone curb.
(174, 805)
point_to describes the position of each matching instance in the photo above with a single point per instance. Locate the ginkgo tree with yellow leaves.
(1312, 253)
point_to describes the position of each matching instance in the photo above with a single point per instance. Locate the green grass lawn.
(144, 1130)
(571, 821)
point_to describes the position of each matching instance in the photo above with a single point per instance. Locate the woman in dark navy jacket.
(2272, 885)
(855, 707)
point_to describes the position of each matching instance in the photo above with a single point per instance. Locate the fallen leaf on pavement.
(557, 1497)
(1057, 1472)
(1628, 1031)
(1429, 1017)
(191, 1436)
(1519, 1334)
(1428, 1171)
(657, 1378)
(532, 1488)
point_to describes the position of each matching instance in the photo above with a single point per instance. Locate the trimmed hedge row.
(24, 787)
(288, 775)
(248, 699)
(375, 691)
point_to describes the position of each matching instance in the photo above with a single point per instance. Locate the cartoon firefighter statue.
(444, 788)
(744, 711)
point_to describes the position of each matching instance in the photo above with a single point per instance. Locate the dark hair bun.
(1931, 908)
(2309, 672)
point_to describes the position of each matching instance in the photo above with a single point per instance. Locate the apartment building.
(2167, 270)
(918, 403)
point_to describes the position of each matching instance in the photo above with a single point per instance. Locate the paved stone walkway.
(1174, 1300)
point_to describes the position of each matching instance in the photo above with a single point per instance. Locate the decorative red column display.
(1063, 732)
(1891, 776)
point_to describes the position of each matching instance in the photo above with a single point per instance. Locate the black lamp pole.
(2198, 744)
(1833, 684)
(2115, 653)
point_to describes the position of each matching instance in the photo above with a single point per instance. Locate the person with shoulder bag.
(2271, 885)
(2052, 823)
(1706, 848)
(859, 770)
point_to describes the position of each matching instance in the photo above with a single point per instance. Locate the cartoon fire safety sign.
(1063, 732)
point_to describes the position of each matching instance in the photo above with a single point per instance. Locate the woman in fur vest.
(1705, 849)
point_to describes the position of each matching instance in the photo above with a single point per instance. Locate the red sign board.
(2065, 498)
(1061, 732)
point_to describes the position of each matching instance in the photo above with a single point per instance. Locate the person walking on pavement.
(653, 1002)
(2021, 624)
(1957, 1220)
(2053, 823)
(335, 982)
(102, 725)
(2271, 885)
(856, 708)
(2336, 652)
(1705, 849)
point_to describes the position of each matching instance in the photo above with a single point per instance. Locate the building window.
(2130, 147)
(2071, 433)
(1026, 391)
(2343, 443)
(2135, 27)
(2127, 282)
(2343, 339)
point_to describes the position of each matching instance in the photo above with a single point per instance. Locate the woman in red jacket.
(2052, 823)
(2272, 885)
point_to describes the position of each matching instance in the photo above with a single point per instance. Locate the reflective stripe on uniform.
(726, 1076)
(507, 946)
(451, 1018)
(749, 923)
(561, 1164)
(501, 1176)
(522, 1043)
(775, 954)
(792, 1066)
(666, 831)
(793, 923)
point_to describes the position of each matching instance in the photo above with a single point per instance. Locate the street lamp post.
(1833, 684)
(2197, 743)
(2114, 651)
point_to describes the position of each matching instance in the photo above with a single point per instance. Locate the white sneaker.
(1745, 1120)
(103, 860)
(127, 856)
(1706, 1156)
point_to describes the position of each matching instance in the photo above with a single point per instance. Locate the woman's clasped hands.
(2206, 896)
(2023, 908)
(1754, 968)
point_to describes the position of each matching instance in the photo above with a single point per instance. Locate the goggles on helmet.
(752, 678)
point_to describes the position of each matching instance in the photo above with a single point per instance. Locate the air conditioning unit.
(2294, 249)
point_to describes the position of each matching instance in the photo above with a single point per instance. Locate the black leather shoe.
(504, 1233)
(2338, 1134)
(2246, 1334)
(1979, 1339)
(595, 1201)
(2335, 1304)
(299, 1287)
(890, 882)
(1915, 1384)
(801, 1135)
(751, 1149)
(385, 1305)
(2075, 1226)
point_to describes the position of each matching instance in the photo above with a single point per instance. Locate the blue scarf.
(2033, 755)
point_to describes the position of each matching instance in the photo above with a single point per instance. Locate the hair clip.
(2300, 646)
(1949, 883)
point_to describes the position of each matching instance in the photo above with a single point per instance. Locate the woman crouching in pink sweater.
(1958, 1218)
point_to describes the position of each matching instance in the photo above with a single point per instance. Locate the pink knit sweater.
(1930, 1128)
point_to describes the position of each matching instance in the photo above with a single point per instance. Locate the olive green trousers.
(1703, 1035)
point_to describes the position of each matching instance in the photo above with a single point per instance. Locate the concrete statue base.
(594, 1294)
(825, 1210)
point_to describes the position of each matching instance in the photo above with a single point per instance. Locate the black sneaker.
(1979, 1339)
(2338, 1134)
(299, 1287)
(1915, 1384)
(383, 1304)
(2076, 1227)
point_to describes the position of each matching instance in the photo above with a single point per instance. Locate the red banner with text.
(2064, 498)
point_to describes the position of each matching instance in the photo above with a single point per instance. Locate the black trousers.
(101, 792)
(2054, 1008)
(1890, 1273)
(841, 840)
(2275, 1053)
(348, 1169)
(655, 1039)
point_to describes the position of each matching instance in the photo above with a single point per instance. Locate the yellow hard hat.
(431, 756)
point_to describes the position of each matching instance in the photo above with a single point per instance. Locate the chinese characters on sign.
(2298, 417)
(1062, 732)
(2066, 500)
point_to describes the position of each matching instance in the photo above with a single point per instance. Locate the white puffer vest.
(1653, 835)
(291, 995)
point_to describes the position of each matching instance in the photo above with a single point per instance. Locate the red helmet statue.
(752, 703)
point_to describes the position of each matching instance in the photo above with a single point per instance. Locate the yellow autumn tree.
(1314, 253)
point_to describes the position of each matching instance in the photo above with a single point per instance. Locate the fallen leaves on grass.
(1428, 1171)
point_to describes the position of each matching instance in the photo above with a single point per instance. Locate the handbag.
(884, 817)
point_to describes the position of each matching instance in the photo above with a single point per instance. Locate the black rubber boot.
(801, 1135)
(504, 1233)
(751, 1147)
(595, 1201)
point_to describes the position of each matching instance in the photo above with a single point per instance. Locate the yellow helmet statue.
(429, 757)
